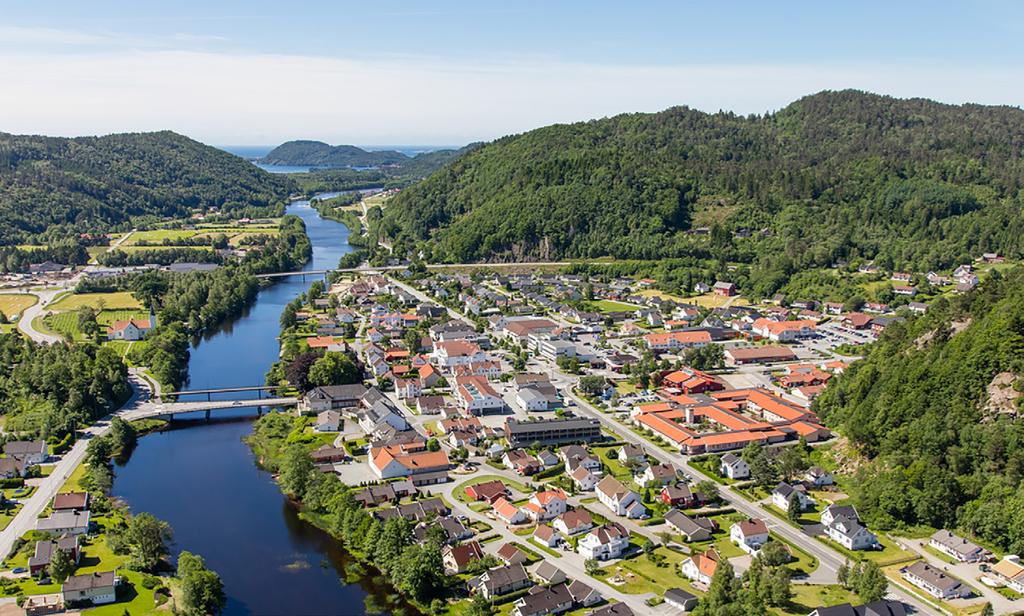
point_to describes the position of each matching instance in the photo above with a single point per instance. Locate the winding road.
(25, 321)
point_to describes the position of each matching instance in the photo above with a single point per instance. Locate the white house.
(546, 505)
(584, 480)
(656, 475)
(546, 536)
(573, 522)
(784, 493)
(457, 353)
(476, 395)
(734, 467)
(617, 497)
(507, 512)
(818, 477)
(132, 329)
(851, 534)
(934, 581)
(608, 541)
(701, 567)
(749, 534)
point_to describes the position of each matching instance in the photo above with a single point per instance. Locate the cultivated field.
(12, 304)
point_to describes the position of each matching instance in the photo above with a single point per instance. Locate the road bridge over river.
(153, 409)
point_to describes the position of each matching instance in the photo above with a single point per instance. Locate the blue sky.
(451, 72)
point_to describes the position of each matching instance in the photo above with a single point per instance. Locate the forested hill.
(320, 154)
(65, 186)
(935, 406)
(836, 175)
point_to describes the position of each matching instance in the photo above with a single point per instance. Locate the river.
(204, 481)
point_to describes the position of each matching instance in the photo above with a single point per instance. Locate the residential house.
(1010, 572)
(700, 568)
(457, 558)
(679, 495)
(332, 397)
(733, 467)
(574, 522)
(631, 454)
(488, 491)
(39, 562)
(818, 477)
(694, 529)
(583, 479)
(621, 500)
(71, 501)
(604, 542)
(784, 493)
(327, 421)
(131, 330)
(509, 554)
(67, 522)
(546, 505)
(30, 453)
(549, 574)
(935, 581)
(749, 534)
(429, 405)
(882, 607)
(507, 512)
(541, 601)
(833, 512)
(656, 475)
(501, 581)
(546, 536)
(850, 533)
(89, 589)
(958, 548)
(521, 462)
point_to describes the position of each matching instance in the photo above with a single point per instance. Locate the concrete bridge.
(150, 410)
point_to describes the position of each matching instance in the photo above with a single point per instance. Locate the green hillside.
(935, 408)
(836, 175)
(61, 187)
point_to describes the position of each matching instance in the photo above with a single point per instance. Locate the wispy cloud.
(21, 35)
(235, 97)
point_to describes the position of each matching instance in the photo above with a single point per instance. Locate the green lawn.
(132, 599)
(12, 304)
(120, 300)
(807, 597)
(641, 575)
(607, 305)
(67, 322)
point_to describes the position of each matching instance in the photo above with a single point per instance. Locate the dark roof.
(679, 595)
(615, 609)
(21, 448)
(875, 608)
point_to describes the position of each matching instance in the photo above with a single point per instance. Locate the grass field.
(121, 300)
(12, 304)
(607, 305)
(807, 597)
(642, 575)
(66, 323)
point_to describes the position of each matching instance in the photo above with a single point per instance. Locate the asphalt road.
(25, 520)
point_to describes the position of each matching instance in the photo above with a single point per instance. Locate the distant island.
(323, 155)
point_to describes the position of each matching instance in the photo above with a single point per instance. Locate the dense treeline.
(282, 444)
(65, 252)
(52, 187)
(834, 176)
(51, 389)
(934, 406)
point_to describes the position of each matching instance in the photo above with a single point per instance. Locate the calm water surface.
(203, 479)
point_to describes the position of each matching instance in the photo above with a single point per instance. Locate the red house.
(488, 491)
(679, 496)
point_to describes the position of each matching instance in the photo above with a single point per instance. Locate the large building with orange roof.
(727, 420)
(671, 341)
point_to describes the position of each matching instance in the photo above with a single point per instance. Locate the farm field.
(12, 304)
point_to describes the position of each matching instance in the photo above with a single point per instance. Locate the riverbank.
(293, 567)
